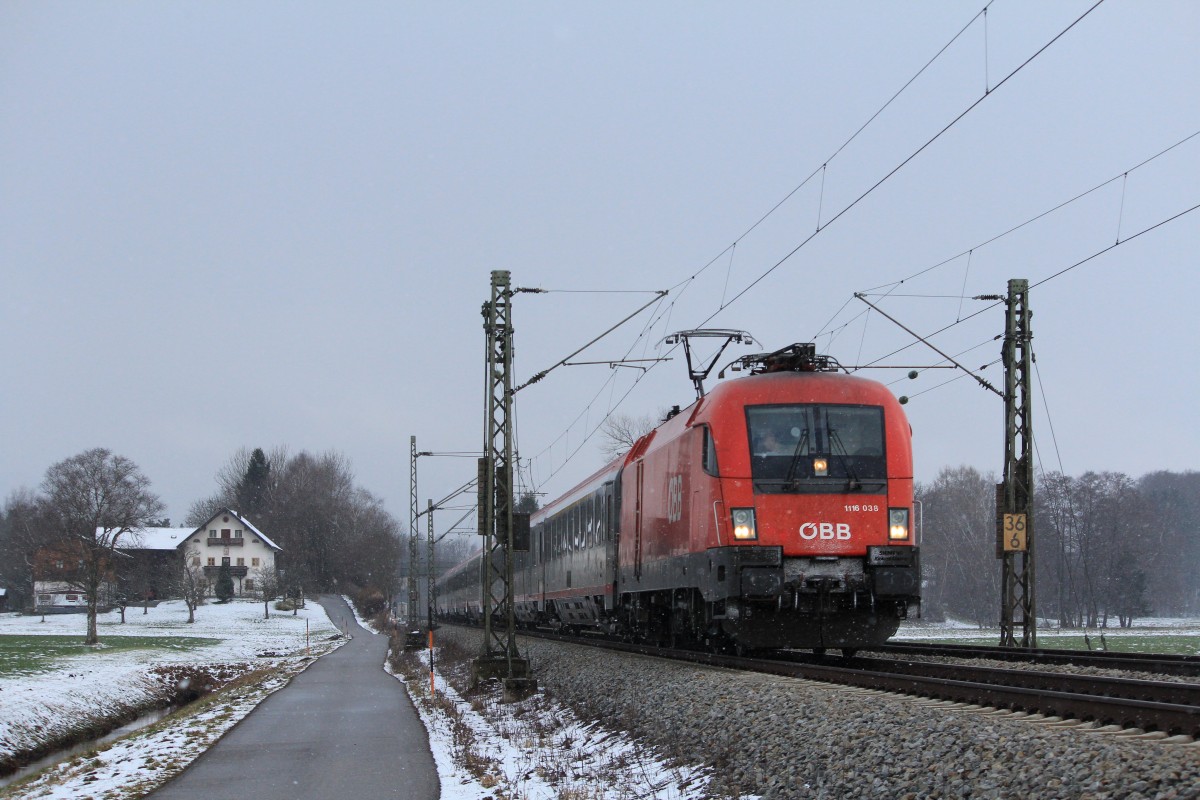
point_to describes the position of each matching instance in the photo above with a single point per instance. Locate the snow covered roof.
(154, 538)
(171, 538)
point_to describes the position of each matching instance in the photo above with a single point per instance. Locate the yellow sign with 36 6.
(1014, 533)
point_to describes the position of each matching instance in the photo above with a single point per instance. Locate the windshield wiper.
(852, 482)
(795, 463)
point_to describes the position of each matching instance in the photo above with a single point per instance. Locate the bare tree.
(245, 483)
(620, 431)
(268, 584)
(193, 586)
(92, 501)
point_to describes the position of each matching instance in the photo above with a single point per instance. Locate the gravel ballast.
(784, 738)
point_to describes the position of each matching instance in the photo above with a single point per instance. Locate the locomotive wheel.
(849, 652)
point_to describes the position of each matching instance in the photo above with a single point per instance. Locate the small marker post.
(432, 687)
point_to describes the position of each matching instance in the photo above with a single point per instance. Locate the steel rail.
(1171, 692)
(1100, 703)
(1159, 663)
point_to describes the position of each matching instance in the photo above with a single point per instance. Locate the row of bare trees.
(334, 534)
(1108, 547)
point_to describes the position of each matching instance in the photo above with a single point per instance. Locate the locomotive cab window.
(709, 457)
(810, 449)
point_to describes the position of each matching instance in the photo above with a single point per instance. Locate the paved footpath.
(343, 728)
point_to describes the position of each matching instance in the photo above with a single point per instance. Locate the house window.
(195, 561)
(241, 562)
(58, 564)
(212, 562)
(45, 599)
(225, 562)
(237, 534)
(248, 584)
(212, 534)
(254, 562)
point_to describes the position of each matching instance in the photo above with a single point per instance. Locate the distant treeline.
(1107, 547)
(335, 536)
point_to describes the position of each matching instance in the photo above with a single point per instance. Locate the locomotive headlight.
(897, 524)
(743, 524)
(820, 467)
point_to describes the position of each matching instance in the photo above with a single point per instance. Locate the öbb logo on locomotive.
(825, 530)
(772, 512)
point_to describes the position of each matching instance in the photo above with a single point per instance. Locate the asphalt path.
(343, 728)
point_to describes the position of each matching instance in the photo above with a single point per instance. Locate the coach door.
(637, 521)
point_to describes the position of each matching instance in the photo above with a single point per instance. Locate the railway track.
(1160, 664)
(1169, 709)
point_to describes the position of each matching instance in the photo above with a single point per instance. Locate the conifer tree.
(224, 588)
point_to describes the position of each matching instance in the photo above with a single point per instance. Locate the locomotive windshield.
(817, 449)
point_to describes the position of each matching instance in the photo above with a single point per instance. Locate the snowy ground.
(1142, 627)
(35, 706)
(531, 750)
(535, 749)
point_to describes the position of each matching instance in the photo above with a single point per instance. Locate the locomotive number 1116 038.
(861, 507)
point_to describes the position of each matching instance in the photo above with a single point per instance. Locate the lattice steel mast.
(414, 598)
(1014, 497)
(499, 656)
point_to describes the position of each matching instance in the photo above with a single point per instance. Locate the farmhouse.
(229, 539)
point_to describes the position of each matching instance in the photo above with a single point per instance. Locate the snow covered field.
(1142, 627)
(39, 705)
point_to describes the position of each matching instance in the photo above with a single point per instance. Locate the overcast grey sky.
(260, 224)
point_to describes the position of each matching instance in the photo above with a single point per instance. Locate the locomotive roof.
(784, 386)
(830, 387)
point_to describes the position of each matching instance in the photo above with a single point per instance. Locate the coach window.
(591, 525)
(709, 459)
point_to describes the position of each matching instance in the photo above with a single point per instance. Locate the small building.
(152, 570)
(230, 539)
(58, 580)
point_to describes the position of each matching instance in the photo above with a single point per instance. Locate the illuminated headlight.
(897, 524)
(820, 467)
(743, 524)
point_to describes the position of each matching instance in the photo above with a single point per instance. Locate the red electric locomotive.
(774, 512)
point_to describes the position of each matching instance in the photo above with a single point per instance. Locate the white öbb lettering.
(824, 530)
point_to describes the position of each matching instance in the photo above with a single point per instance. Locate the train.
(774, 512)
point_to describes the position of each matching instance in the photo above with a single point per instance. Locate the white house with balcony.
(228, 538)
